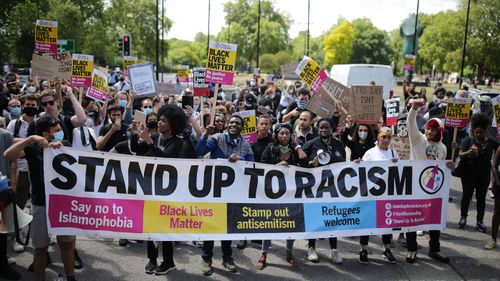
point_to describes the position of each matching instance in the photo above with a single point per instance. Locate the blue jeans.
(266, 244)
(208, 249)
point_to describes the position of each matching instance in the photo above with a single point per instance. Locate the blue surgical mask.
(122, 103)
(15, 111)
(148, 110)
(301, 104)
(59, 136)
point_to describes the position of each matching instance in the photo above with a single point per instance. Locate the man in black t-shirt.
(49, 134)
(114, 133)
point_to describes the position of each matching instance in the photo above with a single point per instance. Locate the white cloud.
(191, 16)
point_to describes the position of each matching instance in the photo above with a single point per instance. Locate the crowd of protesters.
(53, 114)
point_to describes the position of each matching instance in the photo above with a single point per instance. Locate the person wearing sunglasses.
(49, 134)
(51, 107)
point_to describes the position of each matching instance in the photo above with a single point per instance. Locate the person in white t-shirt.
(381, 152)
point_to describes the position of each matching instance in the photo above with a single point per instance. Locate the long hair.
(371, 134)
(275, 146)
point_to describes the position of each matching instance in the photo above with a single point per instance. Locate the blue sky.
(191, 16)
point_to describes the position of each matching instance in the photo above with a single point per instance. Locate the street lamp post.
(465, 45)
(308, 34)
(208, 32)
(414, 51)
(157, 42)
(258, 37)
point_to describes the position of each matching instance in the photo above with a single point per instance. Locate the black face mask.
(325, 138)
(93, 113)
(152, 125)
(30, 111)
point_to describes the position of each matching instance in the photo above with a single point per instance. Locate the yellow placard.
(100, 82)
(221, 60)
(310, 72)
(184, 217)
(128, 61)
(46, 34)
(82, 68)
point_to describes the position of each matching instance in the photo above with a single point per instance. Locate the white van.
(363, 74)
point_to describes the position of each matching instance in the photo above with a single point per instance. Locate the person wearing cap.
(231, 146)
(427, 146)
(324, 144)
(283, 151)
(381, 152)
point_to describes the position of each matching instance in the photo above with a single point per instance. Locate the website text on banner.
(99, 88)
(310, 71)
(95, 194)
(81, 70)
(457, 112)
(45, 36)
(220, 63)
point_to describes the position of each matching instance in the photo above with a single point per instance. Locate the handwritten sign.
(46, 36)
(310, 71)
(220, 62)
(81, 70)
(366, 103)
(166, 88)
(402, 146)
(64, 63)
(200, 86)
(44, 67)
(392, 109)
(457, 112)
(183, 73)
(143, 79)
(99, 88)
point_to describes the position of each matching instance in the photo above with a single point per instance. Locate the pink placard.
(45, 48)
(456, 123)
(97, 94)
(115, 215)
(219, 77)
(81, 81)
(405, 213)
(316, 85)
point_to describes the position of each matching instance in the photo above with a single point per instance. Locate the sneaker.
(491, 194)
(462, 222)
(198, 244)
(78, 261)
(123, 242)
(312, 256)
(420, 233)
(491, 245)
(11, 260)
(335, 256)
(242, 244)
(164, 268)
(438, 256)
(228, 263)
(411, 257)
(389, 256)
(206, 266)
(363, 257)
(18, 248)
(481, 227)
(6, 272)
(150, 268)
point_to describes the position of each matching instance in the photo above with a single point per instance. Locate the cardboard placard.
(183, 73)
(331, 93)
(249, 132)
(457, 112)
(392, 109)
(46, 36)
(64, 64)
(98, 90)
(402, 146)
(81, 70)
(200, 86)
(142, 78)
(166, 88)
(311, 73)
(365, 106)
(221, 61)
(127, 62)
(44, 67)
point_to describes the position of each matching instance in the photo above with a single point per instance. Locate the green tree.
(241, 19)
(371, 45)
(338, 44)
(396, 43)
(315, 47)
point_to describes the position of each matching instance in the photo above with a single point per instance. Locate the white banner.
(110, 195)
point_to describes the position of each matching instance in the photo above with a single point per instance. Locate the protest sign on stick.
(44, 67)
(311, 73)
(142, 78)
(64, 64)
(249, 132)
(81, 70)
(128, 61)
(457, 116)
(183, 73)
(365, 105)
(200, 86)
(98, 90)
(45, 36)
(221, 61)
(392, 110)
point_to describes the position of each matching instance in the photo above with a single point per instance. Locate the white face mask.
(363, 135)
(31, 89)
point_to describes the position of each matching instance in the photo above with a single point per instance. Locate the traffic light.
(120, 45)
(127, 44)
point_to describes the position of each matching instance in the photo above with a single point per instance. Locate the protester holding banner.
(283, 151)
(264, 136)
(231, 146)
(324, 150)
(361, 141)
(49, 133)
(381, 152)
(476, 152)
(495, 220)
(427, 146)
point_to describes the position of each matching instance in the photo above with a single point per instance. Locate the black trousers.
(386, 239)
(434, 246)
(332, 241)
(167, 251)
(474, 182)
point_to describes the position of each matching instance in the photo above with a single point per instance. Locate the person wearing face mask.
(14, 107)
(29, 87)
(361, 141)
(336, 151)
(125, 101)
(152, 123)
(49, 133)
(122, 85)
(293, 110)
(147, 106)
